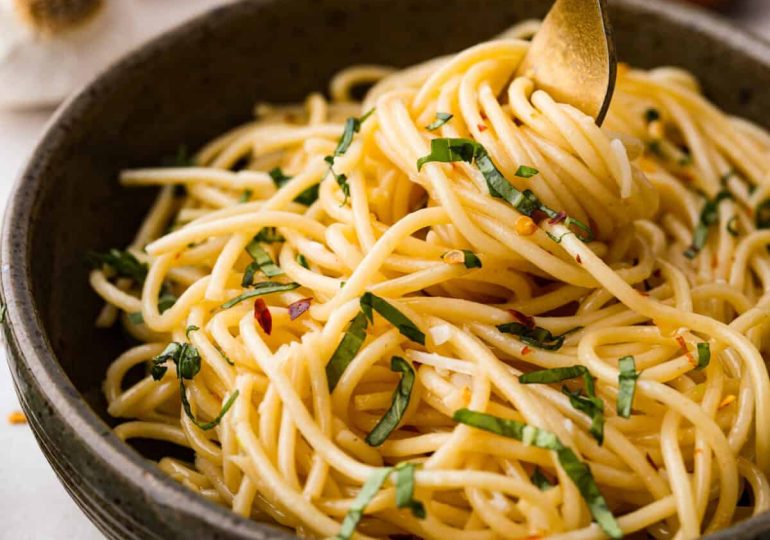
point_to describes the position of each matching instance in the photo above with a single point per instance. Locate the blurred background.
(48, 48)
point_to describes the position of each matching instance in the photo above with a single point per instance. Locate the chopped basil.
(188, 364)
(526, 202)
(526, 172)
(166, 300)
(278, 176)
(269, 235)
(3, 312)
(347, 349)
(122, 263)
(470, 259)
(245, 196)
(260, 289)
(540, 480)
(588, 404)
(578, 471)
(627, 376)
(370, 488)
(191, 328)
(398, 405)
(762, 214)
(392, 315)
(220, 351)
(302, 261)
(181, 354)
(704, 355)
(307, 197)
(651, 115)
(708, 216)
(205, 426)
(405, 490)
(341, 179)
(537, 336)
(248, 274)
(441, 119)
(352, 126)
(547, 376)
(262, 259)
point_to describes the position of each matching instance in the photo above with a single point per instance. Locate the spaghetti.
(459, 309)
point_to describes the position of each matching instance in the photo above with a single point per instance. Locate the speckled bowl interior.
(184, 88)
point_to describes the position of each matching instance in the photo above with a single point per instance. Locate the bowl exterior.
(186, 87)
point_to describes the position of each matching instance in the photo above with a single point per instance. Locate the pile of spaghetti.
(458, 309)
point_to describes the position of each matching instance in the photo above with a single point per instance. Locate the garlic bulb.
(48, 48)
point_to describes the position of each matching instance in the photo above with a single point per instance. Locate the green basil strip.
(220, 351)
(269, 235)
(540, 480)
(392, 315)
(260, 289)
(347, 349)
(205, 426)
(307, 197)
(165, 301)
(263, 259)
(526, 202)
(189, 329)
(588, 404)
(470, 259)
(352, 126)
(578, 471)
(245, 196)
(441, 119)
(547, 376)
(123, 263)
(398, 405)
(526, 172)
(248, 274)
(302, 261)
(405, 490)
(708, 216)
(3, 312)
(627, 385)
(370, 488)
(704, 355)
(341, 179)
(762, 214)
(537, 336)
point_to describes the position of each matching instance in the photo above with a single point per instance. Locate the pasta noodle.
(544, 324)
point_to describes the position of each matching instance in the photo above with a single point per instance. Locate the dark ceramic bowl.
(186, 87)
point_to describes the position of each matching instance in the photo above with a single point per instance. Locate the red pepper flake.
(525, 351)
(263, 316)
(683, 347)
(520, 317)
(578, 259)
(299, 307)
(558, 218)
(481, 127)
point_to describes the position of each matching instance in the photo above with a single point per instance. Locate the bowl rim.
(24, 326)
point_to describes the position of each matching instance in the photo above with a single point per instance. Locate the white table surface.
(34, 505)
